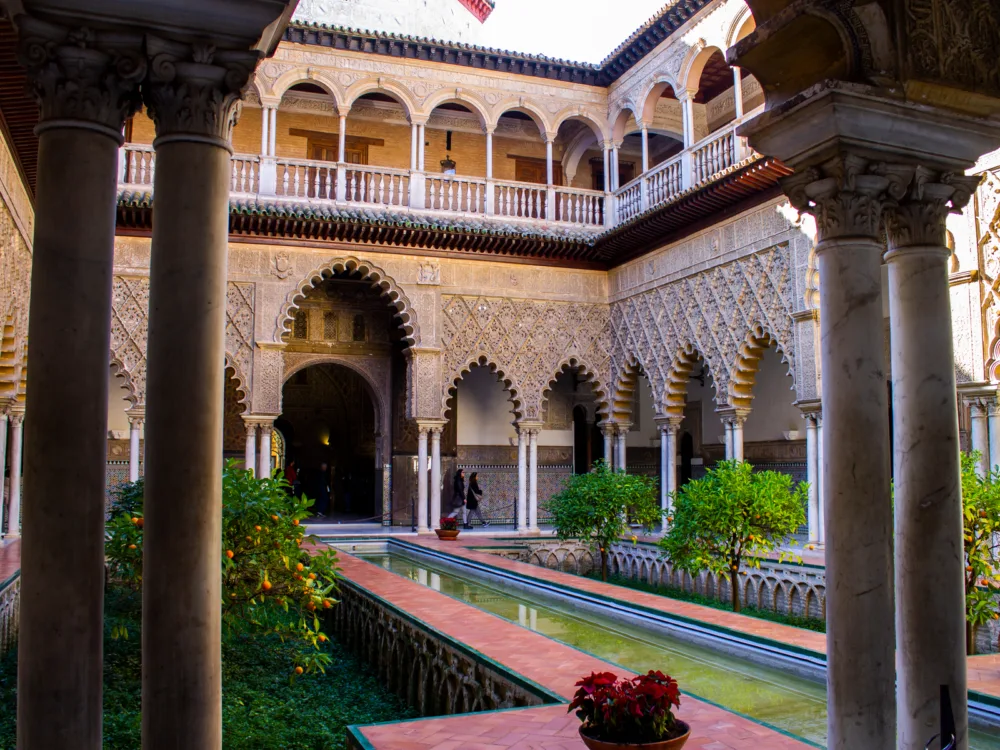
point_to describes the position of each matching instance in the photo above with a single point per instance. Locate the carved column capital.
(194, 91)
(671, 425)
(136, 416)
(921, 201)
(842, 194)
(81, 77)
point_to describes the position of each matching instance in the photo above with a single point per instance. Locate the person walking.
(472, 502)
(458, 494)
(322, 491)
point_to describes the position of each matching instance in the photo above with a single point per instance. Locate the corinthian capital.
(922, 200)
(81, 77)
(193, 92)
(843, 195)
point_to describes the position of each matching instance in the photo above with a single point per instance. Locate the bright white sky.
(577, 30)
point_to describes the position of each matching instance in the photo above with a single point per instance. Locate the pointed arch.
(590, 375)
(379, 278)
(744, 371)
(483, 360)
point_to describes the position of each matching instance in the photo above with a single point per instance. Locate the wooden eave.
(18, 109)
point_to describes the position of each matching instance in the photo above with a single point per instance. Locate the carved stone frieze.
(82, 74)
(195, 90)
(268, 370)
(528, 342)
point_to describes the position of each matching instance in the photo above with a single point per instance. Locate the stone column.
(820, 473)
(847, 202)
(645, 149)
(414, 131)
(264, 467)
(522, 480)
(193, 96)
(86, 84)
(422, 527)
(607, 166)
(3, 461)
(533, 480)
(621, 459)
(250, 453)
(342, 138)
(669, 427)
(14, 524)
(738, 419)
(993, 422)
(738, 92)
(614, 166)
(273, 132)
(136, 416)
(812, 477)
(930, 599)
(265, 120)
(436, 474)
(727, 428)
(420, 148)
(980, 434)
(489, 154)
(608, 430)
(549, 138)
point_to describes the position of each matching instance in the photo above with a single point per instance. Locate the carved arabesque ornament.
(82, 74)
(527, 341)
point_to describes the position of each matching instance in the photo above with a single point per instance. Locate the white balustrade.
(453, 193)
(302, 178)
(714, 154)
(664, 182)
(246, 174)
(378, 185)
(519, 200)
(580, 206)
(630, 200)
(138, 165)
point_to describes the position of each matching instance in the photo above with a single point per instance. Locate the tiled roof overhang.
(648, 36)
(481, 9)
(300, 224)
(748, 183)
(18, 109)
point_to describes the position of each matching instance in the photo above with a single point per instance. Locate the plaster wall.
(773, 394)
(434, 19)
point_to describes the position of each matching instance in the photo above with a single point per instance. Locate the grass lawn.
(260, 707)
(809, 623)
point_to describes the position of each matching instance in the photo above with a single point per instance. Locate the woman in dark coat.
(458, 494)
(472, 501)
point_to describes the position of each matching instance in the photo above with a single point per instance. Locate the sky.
(577, 30)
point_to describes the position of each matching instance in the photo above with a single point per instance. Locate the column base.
(529, 532)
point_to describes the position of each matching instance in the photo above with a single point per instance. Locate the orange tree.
(730, 517)
(269, 582)
(981, 520)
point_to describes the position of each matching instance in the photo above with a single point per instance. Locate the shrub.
(596, 508)
(981, 527)
(628, 711)
(269, 583)
(448, 523)
(730, 517)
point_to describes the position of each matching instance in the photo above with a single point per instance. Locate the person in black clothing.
(472, 502)
(322, 490)
(458, 494)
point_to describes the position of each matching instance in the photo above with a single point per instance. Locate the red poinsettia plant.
(448, 523)
(628, 711)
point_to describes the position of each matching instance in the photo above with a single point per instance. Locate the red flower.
(631, 710)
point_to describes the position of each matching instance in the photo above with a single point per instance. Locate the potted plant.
(629, 713)
(447, 528)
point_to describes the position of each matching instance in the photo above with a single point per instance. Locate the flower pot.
(447, 534)
(674, 744)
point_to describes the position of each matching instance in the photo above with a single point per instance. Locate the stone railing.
(520, 200)
(785, 588)
(434, 675)
(456, 194)
(10, 606)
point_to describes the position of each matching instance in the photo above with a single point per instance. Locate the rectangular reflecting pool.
(785, 702)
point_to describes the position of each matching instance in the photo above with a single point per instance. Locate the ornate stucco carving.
(988, 239)
(723, 314)
(15, 278)
(239, 332)
(527, 341)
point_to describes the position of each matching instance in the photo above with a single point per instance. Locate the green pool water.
(773, 697)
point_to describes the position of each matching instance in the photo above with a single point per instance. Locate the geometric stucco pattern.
(724, 314)
(130, 328)
(15, 269)
(528, 342)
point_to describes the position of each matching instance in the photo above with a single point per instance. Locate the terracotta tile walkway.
(10, 558)
(550, 664)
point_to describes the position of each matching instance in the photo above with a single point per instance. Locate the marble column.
(621, 460)
(533, 480)
(738, 92)
(727, 440)
(250, 452)
(522, 479)
(264, 468)
(86, 85)
(273, 132)
(436, 474)
(930, 598)
(422, 527)
(3, 463)
(737, 434)
(489, 154)
(668, 427)
(135, 419)
(414, 132)
(820, 473)
(993, 423)
(548, 158)
(342, 138)
(614, 167)
(812, 477)
(14, 525)
(265, 121)
(420, 147)
(645, 149)
(980, 434)
(607, 166)
(608, 430)
(192, 94)
(846, 200)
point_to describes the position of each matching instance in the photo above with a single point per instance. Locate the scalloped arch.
(242, 386)
(482, 360)
(744, 370)
(590, 375)
(379, 278)
(675, 394)
(120, 371)
(626, 381)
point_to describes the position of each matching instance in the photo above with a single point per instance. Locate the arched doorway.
(330, 423)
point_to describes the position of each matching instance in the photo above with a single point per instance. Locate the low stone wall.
(777, 587)
(433, 675)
